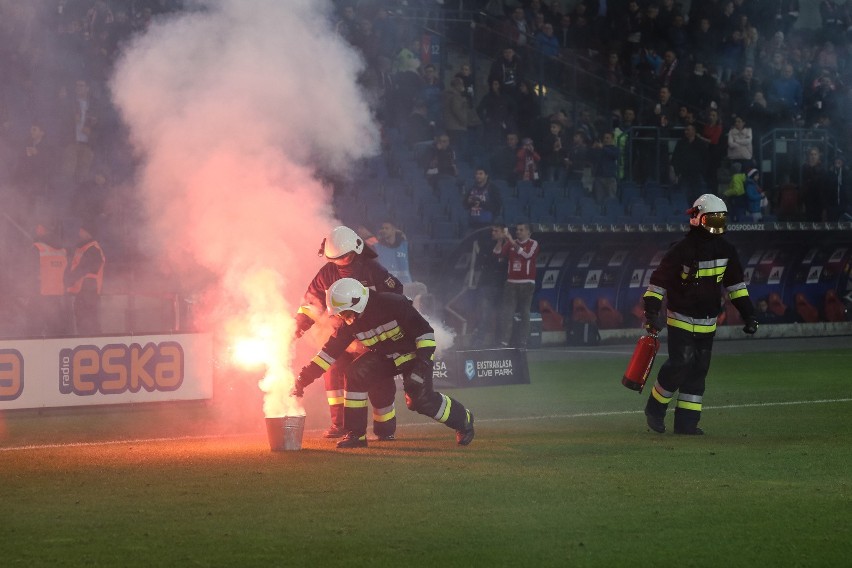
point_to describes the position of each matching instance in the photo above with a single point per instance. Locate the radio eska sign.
(483, 368)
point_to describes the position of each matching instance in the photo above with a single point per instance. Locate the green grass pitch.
(563, 472)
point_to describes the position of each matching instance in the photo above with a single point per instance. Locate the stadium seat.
(833, 307)
(805, 310)
(608, 316)
(551, 320)
(580, 312)
(629, 192)
(776, 306)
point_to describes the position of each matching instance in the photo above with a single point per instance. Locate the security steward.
(691, 274)
(399, 341)
(347, 257)
(47, 315)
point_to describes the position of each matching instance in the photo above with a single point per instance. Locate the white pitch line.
(418, 424)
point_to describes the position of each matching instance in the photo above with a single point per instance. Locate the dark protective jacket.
(363, 268)
(389, 326)
(691, 276)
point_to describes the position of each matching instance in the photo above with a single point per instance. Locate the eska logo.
(115, 369)
(11, 374)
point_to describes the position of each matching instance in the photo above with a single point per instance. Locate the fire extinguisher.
(640, 364)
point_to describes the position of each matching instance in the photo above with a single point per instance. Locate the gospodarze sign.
(482, 368)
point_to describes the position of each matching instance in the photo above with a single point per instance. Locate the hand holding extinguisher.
(644, 354)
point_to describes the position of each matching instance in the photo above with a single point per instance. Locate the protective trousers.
(334, 381)
(423, 399)
(370, 377)
(685, 372)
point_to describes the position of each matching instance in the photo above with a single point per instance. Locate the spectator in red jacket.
(518, 291)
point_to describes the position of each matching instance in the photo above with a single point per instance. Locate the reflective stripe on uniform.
(355, 399)
(444, 411)
(660, 394)
(373, 336)
(426, 340)
(334, 396)
(402, 359)
(715, 267)
(323, 360)
(690, 324)
(384, 414)
(689, 401)
(737, 291)
(654, 292)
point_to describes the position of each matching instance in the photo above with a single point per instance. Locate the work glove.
(303, 324)
(750, 326)
(422, 370)
(652, 323)
(298, 389)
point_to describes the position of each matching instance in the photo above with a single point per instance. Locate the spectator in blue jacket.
(604, 158)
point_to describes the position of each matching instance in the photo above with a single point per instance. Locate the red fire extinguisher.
(640, 364)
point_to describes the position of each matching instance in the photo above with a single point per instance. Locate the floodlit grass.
(563, 472)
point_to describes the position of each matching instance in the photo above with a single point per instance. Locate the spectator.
(35, 167)
(711, 133)
(741, 91)
(815, 187)
(731, 55)
(518, 291)
(839, 205)
(508, 71)
(439, 160)
(689, 162)
(786, 92)
(483, 201)
(622, 138)
(466, 75)
(417, 127)
(547, 45)
(526, 165)
(785, 14)
(528, 108)
(84, 280)
(822, 99)
(704, 43)
(553, 153)
(604, 158)
(503, 159)
(670, 73)
(489, 288)
(497, 112)
(517, 28)
(431, 93)
(82, 118)
(740, 142)
(458, 116)
(392, 248)
(701, 90)
(756, 201)
(662, 114)
(578, 157)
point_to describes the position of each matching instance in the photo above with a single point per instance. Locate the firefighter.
(399, 341)
(84, 280)
(690, 274)
(47, 304)
(348, 257)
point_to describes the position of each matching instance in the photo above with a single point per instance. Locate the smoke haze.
(232, 108)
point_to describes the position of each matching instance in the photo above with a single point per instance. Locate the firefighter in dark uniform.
(399, 341)
(690, 275)
(348, 257)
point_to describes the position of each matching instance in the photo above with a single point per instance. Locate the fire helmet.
(341, 241)
(346, 294)
(709, 212)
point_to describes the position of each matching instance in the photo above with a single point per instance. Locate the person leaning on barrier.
(399, 341)
(347, 256)
(690, 275)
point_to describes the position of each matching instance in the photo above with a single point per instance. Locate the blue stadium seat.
(651, 190)
(564, 209)
(629, 192)
(612, 207)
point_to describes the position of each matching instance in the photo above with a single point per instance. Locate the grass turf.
(562, 472)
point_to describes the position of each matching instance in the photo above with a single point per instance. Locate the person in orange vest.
(47, 307)
(84, 280)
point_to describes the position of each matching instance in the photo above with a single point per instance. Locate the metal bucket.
(285, 433)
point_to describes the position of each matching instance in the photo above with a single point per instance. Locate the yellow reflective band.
(380, 337)
(738, 294)
(446, 413)
(660, 398)
(716, 271)
(691, 328)
(426, 343)
(334, 400)
(321, 363)
(402, 359)
(649, 294)
(689, 405)
(349, 403)
(384, 417)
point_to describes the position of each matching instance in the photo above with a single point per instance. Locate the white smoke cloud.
(232, 107)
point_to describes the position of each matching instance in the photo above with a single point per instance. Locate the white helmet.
(342, 241)
(709, 212)
(346, 294)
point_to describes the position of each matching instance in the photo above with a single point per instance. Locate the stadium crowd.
(703, 81)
